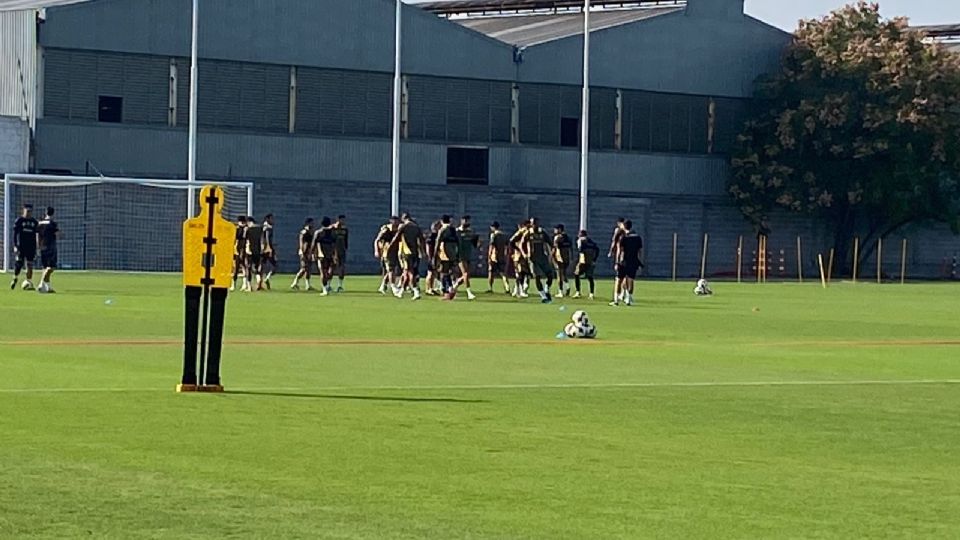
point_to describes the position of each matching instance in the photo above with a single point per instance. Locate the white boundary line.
(714, 384)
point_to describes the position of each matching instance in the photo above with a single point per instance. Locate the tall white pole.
(585, 118)
(395, 159)
(7, 233)
(192, 138)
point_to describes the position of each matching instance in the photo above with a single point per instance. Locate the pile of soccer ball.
(580, 327)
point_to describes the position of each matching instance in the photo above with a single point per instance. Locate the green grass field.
(781, 410)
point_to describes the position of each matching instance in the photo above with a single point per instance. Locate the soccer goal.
(115, 224)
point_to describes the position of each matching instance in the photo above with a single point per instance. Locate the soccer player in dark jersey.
(587, 263)
(612, 253)
(388, 258)
(497, 257)
(239, 252)
(629, 249)
(432, 288)
(304, 243)
(340, 252)
(520, 263)
(562, 253)
(536, 248)
(447, 255)
(615, 240)
(469, 243)
(254, 252)
(410, 244)
(269, 250)
(47, 234)
(324, 245)
(24, 246)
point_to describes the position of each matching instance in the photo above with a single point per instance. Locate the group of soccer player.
(30, 236)
(529, 255)
(324, 247)
(254, 256)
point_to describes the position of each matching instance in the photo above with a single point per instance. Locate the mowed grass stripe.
(575, 386)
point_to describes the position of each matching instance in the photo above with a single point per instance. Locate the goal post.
(111, 223)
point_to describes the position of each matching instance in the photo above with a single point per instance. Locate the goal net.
(116, 224)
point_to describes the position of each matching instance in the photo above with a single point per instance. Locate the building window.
(570, 132)
(110, 109)
(468, 165)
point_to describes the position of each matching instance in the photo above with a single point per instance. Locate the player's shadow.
(298, 395)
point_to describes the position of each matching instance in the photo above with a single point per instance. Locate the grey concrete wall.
(150, 151)
(680, 52)
(347, 34)
(14, 145)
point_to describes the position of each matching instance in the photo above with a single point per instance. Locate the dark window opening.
(570, 132)
(468, 165)
(110, 109)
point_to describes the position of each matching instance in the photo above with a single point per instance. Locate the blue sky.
(786, 13)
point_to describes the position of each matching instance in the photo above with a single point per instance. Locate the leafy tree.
(861, 128)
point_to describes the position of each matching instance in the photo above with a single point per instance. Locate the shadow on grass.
(296, 395)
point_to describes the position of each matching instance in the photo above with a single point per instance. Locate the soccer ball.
(27, 286)
(580, 318)
(702, 288)
(573, 331)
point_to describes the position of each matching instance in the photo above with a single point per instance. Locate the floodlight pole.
(585, 119)
(192, 138)
(395, 156)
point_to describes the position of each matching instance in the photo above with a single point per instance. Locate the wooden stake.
(903, 262)
(823, 275)
(759, 257)
(740, 259)
(763, 271)
(799, 260)
(703, 257)
(880, 260)
(856, 257)
(830, 267)
(674, 256)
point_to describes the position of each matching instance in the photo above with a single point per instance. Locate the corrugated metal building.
(295, 95)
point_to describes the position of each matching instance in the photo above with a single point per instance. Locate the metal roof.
(497, 7)
(16, 5)
(526, 30)
(941, 30)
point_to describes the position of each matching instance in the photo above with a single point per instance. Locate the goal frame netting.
(41, 181)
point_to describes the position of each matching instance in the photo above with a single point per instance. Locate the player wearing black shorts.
(586, 265)
(24, 246)
(629, 249)
(324, 246)
(469, 243)
(304, 241)
(432, 288)
(47, 233)
(497, 257)
(446, 254)
(562, 252)
(269, 251)
(536, 249)
(239, 252)
(342, 234)
(254, 253)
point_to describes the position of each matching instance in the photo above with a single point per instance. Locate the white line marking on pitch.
(713, 384)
